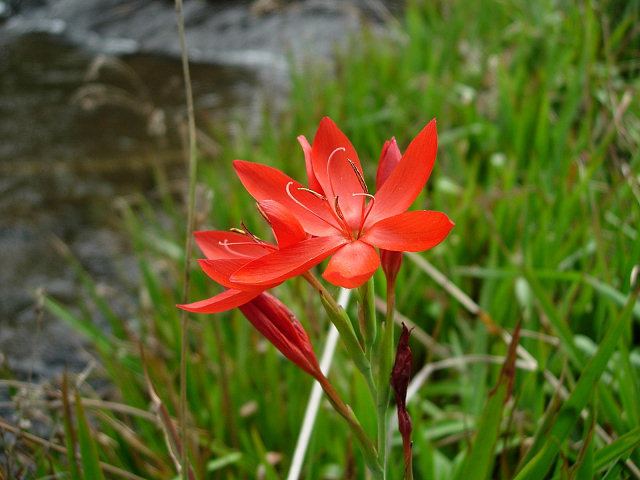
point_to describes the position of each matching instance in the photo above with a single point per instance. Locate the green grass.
(539, 119)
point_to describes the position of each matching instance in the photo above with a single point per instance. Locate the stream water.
(78, 130)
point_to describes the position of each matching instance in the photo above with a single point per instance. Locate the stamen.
(263, 213)
(341, 218)
(336, 206)
(246, 232)
(329, 167)
(302, 205)
(373, 199)
(226, 244)
(312, 192)
(363, 184)
(251, 235)
(369, 208)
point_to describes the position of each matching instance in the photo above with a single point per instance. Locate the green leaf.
(69, 432)
(221, 462)
(477, 464)
(88, 448)
(620, 447)
(569, 413)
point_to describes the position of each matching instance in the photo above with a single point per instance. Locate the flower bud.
(278, 324)
(400, 376)
(391, 263)
(389, 159)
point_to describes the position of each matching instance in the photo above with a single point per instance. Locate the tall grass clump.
(539, 120)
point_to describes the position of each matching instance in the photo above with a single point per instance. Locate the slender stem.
(384, 373)
(316, 394)
(408, 474)
(368, 324)
(368, 449)
(191, 200)
(340, 319)
(227, 404)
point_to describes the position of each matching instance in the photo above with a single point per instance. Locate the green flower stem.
(340, 319)
(368, 325)
(385, 363)
(368, 448)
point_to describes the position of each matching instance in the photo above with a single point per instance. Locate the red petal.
(337, 177)
(389, 159)
(213, 244)
(223, 301)
(408, 178)
(268, 183)
(220, 271)
(352, 265)
(288, 262)
(410, 231)
(285, 226)
(306, 148)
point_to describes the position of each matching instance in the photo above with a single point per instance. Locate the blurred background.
(92, 101)
(539, 166)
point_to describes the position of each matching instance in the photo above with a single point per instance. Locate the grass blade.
(477, 464)
(570, 412)
(88, 449)
(69, 431)
(620, 447)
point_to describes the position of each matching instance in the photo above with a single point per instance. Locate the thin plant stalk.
(313, 404)
(191, 200)
(368, 449)
(367, 312)
(341, 320)
(342, 323)
(384, 373)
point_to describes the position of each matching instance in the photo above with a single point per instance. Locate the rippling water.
(77, 131)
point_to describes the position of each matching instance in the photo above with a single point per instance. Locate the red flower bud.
(391, 262)
(400, 376)
(278, 324)
(389, 159)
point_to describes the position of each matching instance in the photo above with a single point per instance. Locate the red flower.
(278, 325)
(338, 210)
(226, 252)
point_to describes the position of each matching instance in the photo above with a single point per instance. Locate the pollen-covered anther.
(336, 205)
(263, 213)
(359, 176)
(340, 216)
(250, 234)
